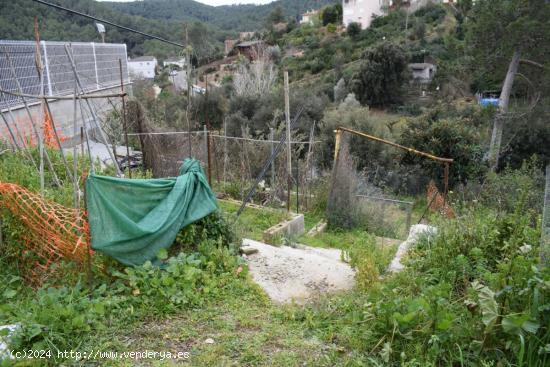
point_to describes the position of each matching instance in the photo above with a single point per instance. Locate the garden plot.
(298, 275)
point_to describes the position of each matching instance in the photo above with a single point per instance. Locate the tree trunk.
(498, 125)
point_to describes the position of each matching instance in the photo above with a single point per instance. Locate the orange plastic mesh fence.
(437, 202)
(53, 232)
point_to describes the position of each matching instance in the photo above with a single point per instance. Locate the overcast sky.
(218, 2)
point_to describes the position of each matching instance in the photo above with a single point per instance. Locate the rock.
(415, 233)
(249, 250)
(209, 341)
(6, 333)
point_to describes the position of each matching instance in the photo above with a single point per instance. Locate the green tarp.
(131, 220)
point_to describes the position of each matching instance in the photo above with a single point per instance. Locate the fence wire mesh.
(232, 163)
(370, 189)
(96, 63)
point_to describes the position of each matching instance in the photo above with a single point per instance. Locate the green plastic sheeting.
(131, 220)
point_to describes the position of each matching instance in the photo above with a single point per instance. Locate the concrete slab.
(298, 275)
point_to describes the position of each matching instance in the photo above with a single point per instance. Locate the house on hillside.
(309, 17)
(251, 49)
(175, 61)
(143, 67)
(246, 36)
(361, 11)
(229, 45)
(423, 72)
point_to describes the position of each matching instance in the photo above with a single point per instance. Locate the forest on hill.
(230, 17)
(208, 26)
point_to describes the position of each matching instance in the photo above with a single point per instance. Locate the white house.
(176, 61)
(142, 67)
(361, 11)
(309, 17)
(423, 72)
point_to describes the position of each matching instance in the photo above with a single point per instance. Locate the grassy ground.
(252, 222)
(246, 330)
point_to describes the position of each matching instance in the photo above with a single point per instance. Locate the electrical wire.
(108, 22)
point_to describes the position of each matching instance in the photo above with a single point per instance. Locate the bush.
(381, 76)
(469, 296)
(353, 30)
(447, 138)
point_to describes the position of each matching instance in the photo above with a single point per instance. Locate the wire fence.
(233, 163)
(97, 65)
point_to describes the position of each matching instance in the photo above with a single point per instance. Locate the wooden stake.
(288, 142)
(124, 122)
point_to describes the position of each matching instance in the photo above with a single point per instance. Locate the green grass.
(252, 222)
(247, 329)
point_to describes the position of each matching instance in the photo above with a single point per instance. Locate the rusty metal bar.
(410, 150)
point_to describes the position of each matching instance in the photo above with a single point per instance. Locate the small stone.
(249, 250)
(209, 341)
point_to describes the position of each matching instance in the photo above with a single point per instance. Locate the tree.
(277, 15)
(255, 79)
(502, 33)
(381, 75)
(353, 30)
(340, 90)
(332, 15)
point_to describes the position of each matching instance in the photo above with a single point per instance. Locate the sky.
(218, 2)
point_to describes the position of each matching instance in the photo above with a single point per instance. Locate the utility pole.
(288, 143)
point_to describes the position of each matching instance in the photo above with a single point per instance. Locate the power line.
(108, 22)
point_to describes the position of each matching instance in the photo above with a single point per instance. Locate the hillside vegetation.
(230, 17)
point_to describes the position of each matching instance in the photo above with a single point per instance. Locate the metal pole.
(124, 122)
(308, 159)
(288, 142)
(92, 112)
(545, 235)
(208, 154)
(14, 141)
(75, 151)
(297, 185)
(38, 64)
(23, 143)
(88, 250)
(189, 88)
(87, 137)
(224, 149)
(271, 138)
(410, 150)
(338, 137)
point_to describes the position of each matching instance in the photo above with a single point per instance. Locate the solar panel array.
(97, 65)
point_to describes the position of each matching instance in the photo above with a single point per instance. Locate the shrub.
(381, 75)
(447, 138)
(353, 30)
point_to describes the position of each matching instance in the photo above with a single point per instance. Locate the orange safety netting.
(437, 202)
(53, 232)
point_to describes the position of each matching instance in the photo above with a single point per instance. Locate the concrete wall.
(361, 11)
(63, 117)
(142, 69)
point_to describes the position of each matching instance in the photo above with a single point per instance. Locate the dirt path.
(298, 274)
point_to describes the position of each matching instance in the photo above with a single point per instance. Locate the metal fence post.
(95, 66)
(545, 235)
(272, 144)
